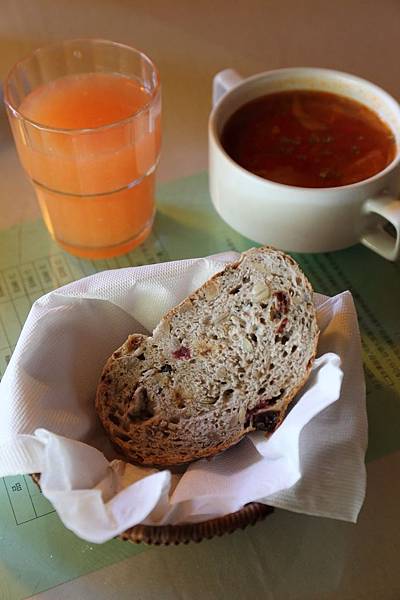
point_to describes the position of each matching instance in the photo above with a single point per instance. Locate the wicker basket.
(166, 535)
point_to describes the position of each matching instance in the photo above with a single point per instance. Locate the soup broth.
(308, 139)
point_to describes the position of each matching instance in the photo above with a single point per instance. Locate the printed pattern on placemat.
(26, 500)
(24, 283)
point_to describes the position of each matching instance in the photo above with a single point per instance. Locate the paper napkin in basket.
(313, 463)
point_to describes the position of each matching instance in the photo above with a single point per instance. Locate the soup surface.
(308, 139)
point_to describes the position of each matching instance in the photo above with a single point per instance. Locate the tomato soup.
(308, 139)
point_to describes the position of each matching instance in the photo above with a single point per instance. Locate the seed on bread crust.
(261, 291)
(211, 290)
(221, 317)
(247, 346)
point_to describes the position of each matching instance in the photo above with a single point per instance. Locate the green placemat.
(36, 551)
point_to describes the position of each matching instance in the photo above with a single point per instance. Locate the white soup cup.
(305, 219)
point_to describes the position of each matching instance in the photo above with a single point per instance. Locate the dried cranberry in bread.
(227, 360)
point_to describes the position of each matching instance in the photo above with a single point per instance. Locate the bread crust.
(125, 382)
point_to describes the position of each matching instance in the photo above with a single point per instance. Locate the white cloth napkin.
(314, 463)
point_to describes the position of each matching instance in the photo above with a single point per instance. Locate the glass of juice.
(86, 119)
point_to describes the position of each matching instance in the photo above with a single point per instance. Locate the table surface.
(289, 555)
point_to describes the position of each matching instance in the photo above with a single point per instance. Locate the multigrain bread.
(227, 360)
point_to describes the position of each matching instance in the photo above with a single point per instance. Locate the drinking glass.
(94, 184)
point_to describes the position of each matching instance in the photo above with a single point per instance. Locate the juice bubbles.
(90, 143)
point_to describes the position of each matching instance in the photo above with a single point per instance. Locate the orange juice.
(90, 143)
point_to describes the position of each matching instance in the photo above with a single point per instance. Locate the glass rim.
(79, 130)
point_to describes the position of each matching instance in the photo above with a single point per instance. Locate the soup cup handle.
(377, 237)
(223, 82)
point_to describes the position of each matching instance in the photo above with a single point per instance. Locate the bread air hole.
(140, 407)
(114, 419)
(235, 290)
(179, 399)
(266, 421)
(226, 395)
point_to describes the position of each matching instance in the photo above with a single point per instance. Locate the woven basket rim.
(166, 535)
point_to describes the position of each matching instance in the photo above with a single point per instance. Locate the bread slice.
(226, 361)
